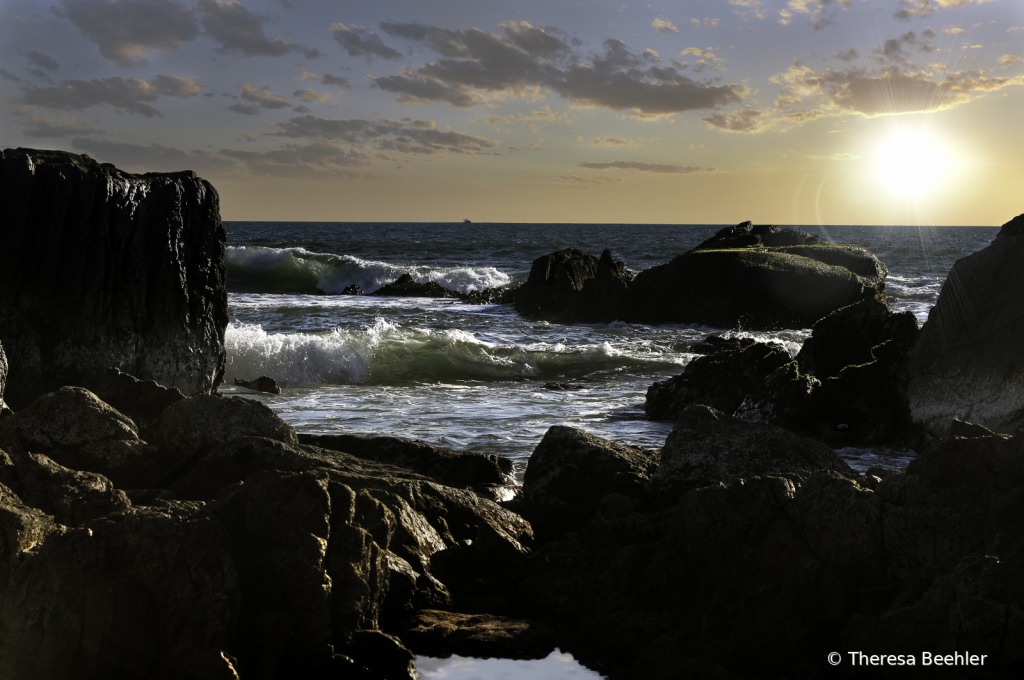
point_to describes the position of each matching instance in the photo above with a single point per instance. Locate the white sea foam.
(297, 270)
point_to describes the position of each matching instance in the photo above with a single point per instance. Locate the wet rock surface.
(406, 286)
(757, 277)
(967, 363)
(110, 269)
(260, 384)
(441, 634)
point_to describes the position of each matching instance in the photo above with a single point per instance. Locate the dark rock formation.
(723, 378)
(352, 289)
(570, 471)
(967, 363)
(766, 576)
(3, 375)
(195, 425)
(406, 286)
(707, 447)
(502, 295)
(755, 277)
(574, 286)
(747, 234)
(260, 384)
(103, 268)
(71, 417)
(452, 468)
(847, 385)
(441, 634)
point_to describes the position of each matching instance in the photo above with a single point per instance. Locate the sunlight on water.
(557, 666)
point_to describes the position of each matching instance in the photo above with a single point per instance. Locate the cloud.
(309, 95)
(664, 26)
(545, 115)
(246, 109)
(43, 60)
(65, 125)
(127, 31)
(263, 97)
(611, 141)
(154, 157)
(1007, 59)
(357, 41)
(836, 157)
(236, 30)
(408, 136)
(848, 55)
(923, 8)
(123, 94)
(955, 30)
(593, 180)
(743, 120)
(335, 81)
(306, 75)
(477, 66)
(659, 168)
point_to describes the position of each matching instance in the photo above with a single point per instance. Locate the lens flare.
(912, 164)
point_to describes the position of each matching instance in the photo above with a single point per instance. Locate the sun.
(912, 164)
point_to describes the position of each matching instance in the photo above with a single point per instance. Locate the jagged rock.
(501, 295)
(197, 424)
(144, 401)
(260, 384)
(141, 595)
(967, 362)
(381, 655)
(707, 447)
(110, 268)
(72, 497)
(71, 417)
(571, 470)
(127, 464)
(723, 378)
(405, 286)
(575, 286)
(747, 234)
(352, 289)
(443, 633)
(452, 468)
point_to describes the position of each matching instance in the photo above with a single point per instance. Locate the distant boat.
(466, 222)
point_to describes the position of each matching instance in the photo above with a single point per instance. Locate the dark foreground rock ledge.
(102, 268)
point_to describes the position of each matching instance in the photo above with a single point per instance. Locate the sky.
(893, 112)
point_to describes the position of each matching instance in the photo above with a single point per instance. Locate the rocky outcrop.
(502, 295)
(967, 362)
(764, 577)
(441, 634)
(756, 277)
(144, 401)
(708, 447)
(406, 286)
(104, 268)
(195, 425)
(574, 286)
(260, 384)
(847, 385)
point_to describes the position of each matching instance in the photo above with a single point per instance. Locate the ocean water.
(473, 377)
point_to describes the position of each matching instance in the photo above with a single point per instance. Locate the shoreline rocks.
(967, 363)
(104, 268)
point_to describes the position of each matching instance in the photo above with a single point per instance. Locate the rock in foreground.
(105, 268)
(968, 362)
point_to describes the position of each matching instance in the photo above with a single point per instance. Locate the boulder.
(729, 374)
(195, 425)
(127, 464)
(110, 269)
(747, 235)
(501, 295)
(22, 529)
(140, 595)
(755, 287)
(571, 470)
(260, 384)
(144, 401)
(708, 447)
(575, 286)
(406, 286)
(71, 417)
(72, 497)
(443, 633)
(967, 362)
(352, 289)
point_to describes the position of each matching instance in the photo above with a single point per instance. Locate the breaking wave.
(386, 353)
(256, 269)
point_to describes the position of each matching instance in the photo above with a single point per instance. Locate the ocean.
(479, 377)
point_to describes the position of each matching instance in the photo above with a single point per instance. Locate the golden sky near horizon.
(709, 111)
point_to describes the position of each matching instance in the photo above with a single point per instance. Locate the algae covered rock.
(968, 362)
(110, 269)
